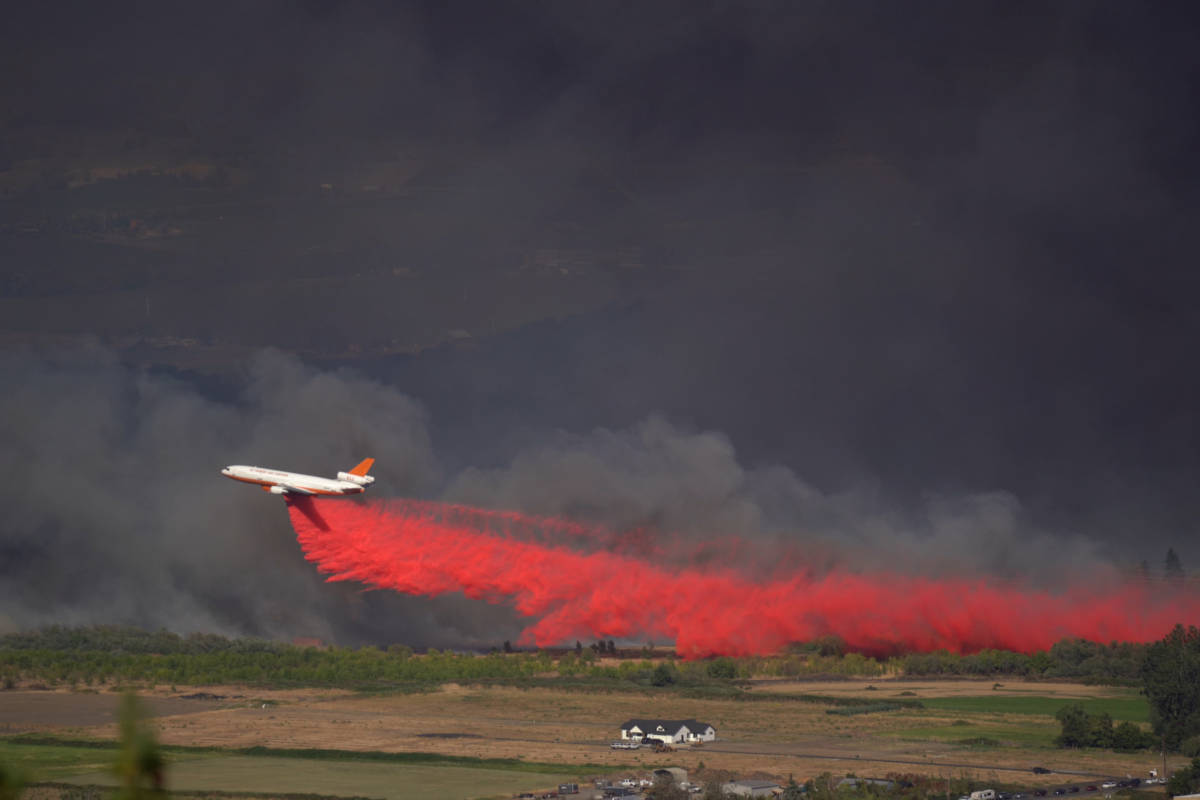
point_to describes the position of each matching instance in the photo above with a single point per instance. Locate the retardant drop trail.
(537, 566)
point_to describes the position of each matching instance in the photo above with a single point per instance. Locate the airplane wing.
(287, 487)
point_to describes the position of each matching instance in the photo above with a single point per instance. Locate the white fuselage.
(277, 482)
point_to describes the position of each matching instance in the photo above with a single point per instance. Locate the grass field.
(200, 771)
(1131, 707)
(473, 740)
(345, 778)
(1007, 734)
(52, 762)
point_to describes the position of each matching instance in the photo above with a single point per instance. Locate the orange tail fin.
(363, 467)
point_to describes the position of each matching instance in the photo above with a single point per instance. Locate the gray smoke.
(114, 510)
(860, 286)
(692, 486)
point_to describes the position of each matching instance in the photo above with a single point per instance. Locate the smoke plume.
(116, 513)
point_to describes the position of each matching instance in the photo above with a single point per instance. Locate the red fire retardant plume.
(569, 593)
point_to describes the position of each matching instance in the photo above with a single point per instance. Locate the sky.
(892, 283)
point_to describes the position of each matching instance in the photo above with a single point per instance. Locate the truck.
(984, 794)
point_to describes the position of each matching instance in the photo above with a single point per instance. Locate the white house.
(671, 731)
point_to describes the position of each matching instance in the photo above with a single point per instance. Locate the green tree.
(723, 669)
(1076, 727)
(1190, 746)
(139, 765)
(1128, 737)
(792, 791)
(1186, 780)
(1171, 682)
(663, 675)
(1100, 730)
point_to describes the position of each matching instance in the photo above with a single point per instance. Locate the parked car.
(1059, 792)
(1040, 771)
(1091, 788)
(1039, 792)
(1073, 789)
(1108, 785)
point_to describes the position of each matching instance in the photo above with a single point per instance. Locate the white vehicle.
(984, 794)
(629, 783)
(274, 481)
(1108, 785)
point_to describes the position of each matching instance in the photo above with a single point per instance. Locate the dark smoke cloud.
(930, 271)
(658, 477)
(115, 511)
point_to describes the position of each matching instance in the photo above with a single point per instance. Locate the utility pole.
(1162, 776)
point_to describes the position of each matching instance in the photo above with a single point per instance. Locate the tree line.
(1169, 675)
(117, 653)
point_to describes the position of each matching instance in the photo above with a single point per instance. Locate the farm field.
(345, 778)
(965, 729)
(54, 762)
(1133, 708)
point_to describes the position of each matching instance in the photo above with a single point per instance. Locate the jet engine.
(361, 480)
(278, 490)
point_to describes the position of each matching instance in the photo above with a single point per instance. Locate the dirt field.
(25, 712)
(550, 725)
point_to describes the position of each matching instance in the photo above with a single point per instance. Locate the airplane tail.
(359, 473)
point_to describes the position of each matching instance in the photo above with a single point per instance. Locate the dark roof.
(672, 725)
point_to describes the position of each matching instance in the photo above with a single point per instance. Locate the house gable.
(674, 729)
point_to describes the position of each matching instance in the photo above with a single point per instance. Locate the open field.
(216, 772)
(54, 763)
(1133, 708)
(31, 711)
(345, 778)
(965, 729)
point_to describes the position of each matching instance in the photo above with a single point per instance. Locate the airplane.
(290, 483)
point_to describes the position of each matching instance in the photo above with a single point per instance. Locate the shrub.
(1190, 746)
